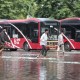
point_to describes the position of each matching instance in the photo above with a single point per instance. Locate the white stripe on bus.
(10, 39)
(69, 41)
(16, 46)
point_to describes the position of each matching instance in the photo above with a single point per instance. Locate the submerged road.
(22, 65)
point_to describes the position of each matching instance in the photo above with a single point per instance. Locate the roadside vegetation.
(20, 9)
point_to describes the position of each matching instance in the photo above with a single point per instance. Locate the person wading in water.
(3, 39)
(43, 42)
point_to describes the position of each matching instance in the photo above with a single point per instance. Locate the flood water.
(22, 65)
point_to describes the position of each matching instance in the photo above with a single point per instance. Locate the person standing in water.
(3, 39)
(43, 42)
(60, 42)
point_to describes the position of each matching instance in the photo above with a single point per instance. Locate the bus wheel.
(26, 47)
(67, 46)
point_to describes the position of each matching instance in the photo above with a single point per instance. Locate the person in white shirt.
(43, 42)
(60, 42)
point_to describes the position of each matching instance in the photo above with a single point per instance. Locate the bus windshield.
(53, 30)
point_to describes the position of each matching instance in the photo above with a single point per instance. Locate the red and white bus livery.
(26, 33)
(71, 27)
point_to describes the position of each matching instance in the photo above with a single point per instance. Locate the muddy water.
(24, 66)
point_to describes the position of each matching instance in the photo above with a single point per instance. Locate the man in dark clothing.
(3, 39)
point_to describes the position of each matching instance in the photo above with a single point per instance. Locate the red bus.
(71, 27)
(26, 33)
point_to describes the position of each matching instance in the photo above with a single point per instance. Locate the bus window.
(68, 34)
(15, 33)
(43, 30)
(24, 28)
(12, 31)
(77, 36)
(8, 29)
(53, 30)
(72, 33)
(30, 30)
(33, 31)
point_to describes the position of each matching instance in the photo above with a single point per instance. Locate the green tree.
(14, 9)
(58, 8)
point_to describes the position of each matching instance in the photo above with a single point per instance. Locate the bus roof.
(6, 21)
(45, 20)
(70, 21)
(41, 19)
(33, 19)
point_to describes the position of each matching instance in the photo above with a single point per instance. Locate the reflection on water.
(1, 69)
(39, 69)
(21, 69)
(60, 66)
(42, 72)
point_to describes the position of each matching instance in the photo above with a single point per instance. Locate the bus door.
(34, 34)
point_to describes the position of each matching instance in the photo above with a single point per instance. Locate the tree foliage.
(58, 8)
(15, 9)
